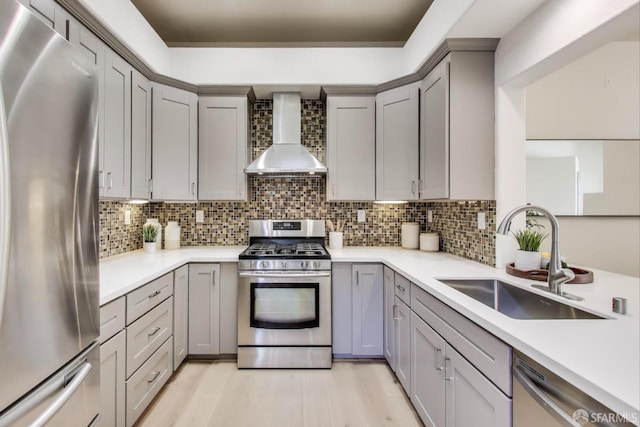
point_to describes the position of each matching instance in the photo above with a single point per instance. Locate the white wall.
(594, 97)
(554, 35)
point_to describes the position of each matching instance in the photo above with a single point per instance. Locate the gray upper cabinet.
(351, 155)
(457, 128)
(175, 144)
(367, 314)
(116, 127)
(397, 143)
(140, 136)
(223, 148)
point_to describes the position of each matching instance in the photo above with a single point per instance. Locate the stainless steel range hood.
(287, 154)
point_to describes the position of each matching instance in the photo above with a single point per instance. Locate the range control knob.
(264, 264)
(304, 265)
(283, 265)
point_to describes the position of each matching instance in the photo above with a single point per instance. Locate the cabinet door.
(367, 314)
(112, 382)
(397, 143)
(351, 142)
(204, 306)
(222, 148)
(175, 144)
(471, 399)
(140, 136)
(342, 308)
(117, 126)
(389, 318)
(180, 315)
(229, 308)
(434, 134)
(43, 9)
(403, 344)
(427, 373)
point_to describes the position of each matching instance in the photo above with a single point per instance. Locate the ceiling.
(283, 23)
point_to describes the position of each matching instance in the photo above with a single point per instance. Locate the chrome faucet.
(557, 275)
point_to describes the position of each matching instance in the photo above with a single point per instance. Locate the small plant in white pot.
(149, 234)
(528, 256)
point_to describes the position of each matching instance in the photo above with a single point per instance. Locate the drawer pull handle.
(396, 316)
(155, 294)
(153, 376)
(153, 331)
(446, 364)
(439, 352)
(401, 288)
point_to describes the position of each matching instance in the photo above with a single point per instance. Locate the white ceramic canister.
(335, 239)
(155, 222)
(429, 242)
(172, 235)
(410, 233)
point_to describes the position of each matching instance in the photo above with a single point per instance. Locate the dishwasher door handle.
(539, 396)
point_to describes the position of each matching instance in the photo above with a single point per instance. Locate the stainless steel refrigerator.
(49, 282)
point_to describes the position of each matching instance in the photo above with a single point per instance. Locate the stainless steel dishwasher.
(541, 398)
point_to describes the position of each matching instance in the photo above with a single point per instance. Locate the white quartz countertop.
(601, 357)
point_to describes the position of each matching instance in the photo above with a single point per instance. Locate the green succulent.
(530, 238)
(149, 233)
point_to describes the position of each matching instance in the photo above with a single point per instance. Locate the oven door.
(284, 308)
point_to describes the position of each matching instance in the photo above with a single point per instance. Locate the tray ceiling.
(257, 23)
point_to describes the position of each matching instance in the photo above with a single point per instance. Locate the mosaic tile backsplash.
(301, 197)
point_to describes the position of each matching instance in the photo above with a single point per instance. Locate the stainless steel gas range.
(284, 296)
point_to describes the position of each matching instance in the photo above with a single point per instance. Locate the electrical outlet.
(429, 216)
(481, 221)
(199, 216)
(362, 216)
(127, 217)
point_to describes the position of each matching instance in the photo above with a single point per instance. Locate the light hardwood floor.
(217, 393)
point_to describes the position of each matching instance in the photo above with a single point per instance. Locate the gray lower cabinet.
(147, 381)
(471, 399)
(367, 306)
(175, 144)
(180, 315)
(427, 364)
(228, 308)
(403, 344)
(204, 303)
(389, 318)
(112, 381)
(357, 302)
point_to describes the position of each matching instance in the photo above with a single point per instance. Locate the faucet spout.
(557, 276)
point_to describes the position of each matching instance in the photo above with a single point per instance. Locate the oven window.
(285, 305)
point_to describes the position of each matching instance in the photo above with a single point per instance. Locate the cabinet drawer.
(486, 352)
(145, 384)
(112, 319)
(403, 289)
(148, 296)
(146, 334)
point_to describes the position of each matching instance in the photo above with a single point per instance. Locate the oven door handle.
(281, 275)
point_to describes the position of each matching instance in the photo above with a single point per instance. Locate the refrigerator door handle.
(5, 204)
(69, 390)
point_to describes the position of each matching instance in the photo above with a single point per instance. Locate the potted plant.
(149, 233)
(528, 256)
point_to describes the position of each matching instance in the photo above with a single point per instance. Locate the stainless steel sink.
(516, 302)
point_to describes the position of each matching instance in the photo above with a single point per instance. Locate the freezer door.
(51, 282)
(70, 398)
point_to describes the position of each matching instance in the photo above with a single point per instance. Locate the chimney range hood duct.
(287, 154)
